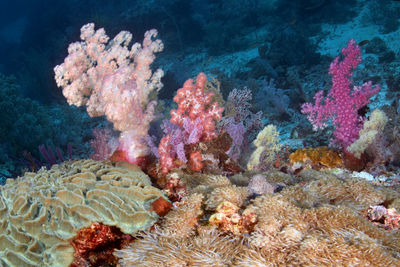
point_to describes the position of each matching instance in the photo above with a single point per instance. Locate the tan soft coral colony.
(41, 212)
(317, 220)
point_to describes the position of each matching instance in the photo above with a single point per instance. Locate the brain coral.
(41, 212)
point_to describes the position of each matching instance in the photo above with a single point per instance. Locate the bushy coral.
(371, 135)
(240, 122)
(196, 118)
(115, 81)
(343, 100)
(267, 146)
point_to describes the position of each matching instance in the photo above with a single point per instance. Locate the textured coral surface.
(316, 157)
(316, 220)
(40, 213)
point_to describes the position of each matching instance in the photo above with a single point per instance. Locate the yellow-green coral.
(372, 127)
(267, 146)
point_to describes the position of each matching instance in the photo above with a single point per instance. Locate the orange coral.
(316, 157)
(161, 206)
(228, 219)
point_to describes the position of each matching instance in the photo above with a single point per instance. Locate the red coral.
(196, 116)
(388, 218)
(161, 206)
(94, 246)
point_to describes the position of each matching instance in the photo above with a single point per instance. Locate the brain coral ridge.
(41, 212)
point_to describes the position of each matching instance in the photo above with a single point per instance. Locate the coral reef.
(319, 157)
(317, 220)
(371, 132)
(180, 241)
(195, 119)
(192, 181)
(40, 213)
(344, 100)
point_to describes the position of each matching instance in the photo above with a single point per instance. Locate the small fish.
(293, 21)
(364, 42)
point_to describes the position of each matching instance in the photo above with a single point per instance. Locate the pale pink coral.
(115, 81)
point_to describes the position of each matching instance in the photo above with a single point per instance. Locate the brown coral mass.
(316, 157)
(94, 245)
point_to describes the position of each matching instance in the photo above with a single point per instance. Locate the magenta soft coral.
(343, 101)
(196, 116)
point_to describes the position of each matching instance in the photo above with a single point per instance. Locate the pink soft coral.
(115, 81)
(343, 101)
(195, 117)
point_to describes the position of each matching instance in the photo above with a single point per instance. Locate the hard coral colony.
(189, 201)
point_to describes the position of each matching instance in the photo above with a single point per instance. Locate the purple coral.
(343, 100)
(239, 122)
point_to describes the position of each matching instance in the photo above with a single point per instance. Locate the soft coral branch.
(343, 101)
(115, 81)
(195, 120)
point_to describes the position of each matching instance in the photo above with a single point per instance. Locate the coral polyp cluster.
(228, 219)
(318, 157)
(316, 220)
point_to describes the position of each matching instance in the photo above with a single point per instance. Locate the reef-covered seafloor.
(205, 174)
(328, 217)
(317, 219)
